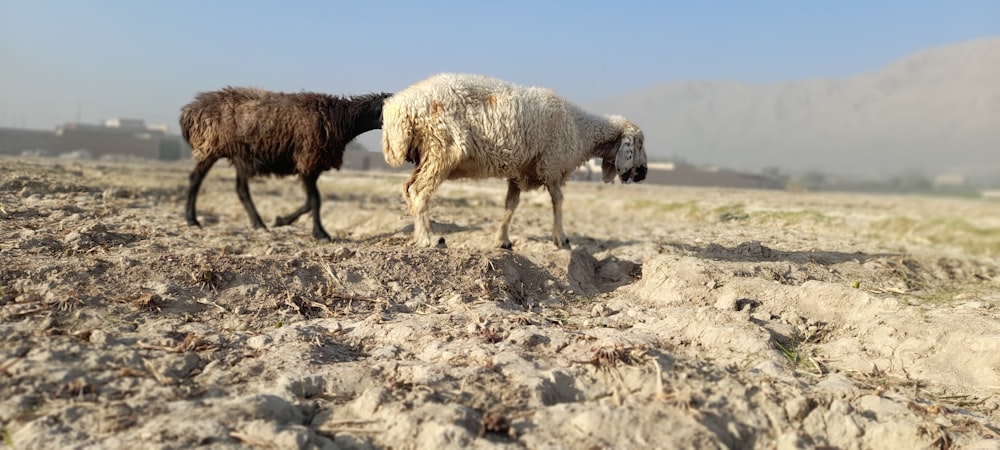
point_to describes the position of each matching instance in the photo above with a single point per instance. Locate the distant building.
(17, 141)
(680, 174)
(127, 124)
(993, 194)
(116, 137)
(949, 180)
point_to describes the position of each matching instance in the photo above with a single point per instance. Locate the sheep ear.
(608, 170)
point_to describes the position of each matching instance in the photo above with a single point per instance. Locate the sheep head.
(628, 158)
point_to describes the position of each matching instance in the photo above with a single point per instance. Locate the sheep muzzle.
(635, 175)
(640, 174)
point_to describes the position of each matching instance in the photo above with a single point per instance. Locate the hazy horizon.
(90, 61)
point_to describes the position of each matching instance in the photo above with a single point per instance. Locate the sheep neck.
(603, 132)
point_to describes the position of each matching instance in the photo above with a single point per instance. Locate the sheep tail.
(397, 136)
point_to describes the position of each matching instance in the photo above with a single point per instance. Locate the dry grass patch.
(952, 231)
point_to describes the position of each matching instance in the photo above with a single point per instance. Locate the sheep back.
(264, 132)
(478, 126)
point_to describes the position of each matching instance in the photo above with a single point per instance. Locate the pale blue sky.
(147, 58)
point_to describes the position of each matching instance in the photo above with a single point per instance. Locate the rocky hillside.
(935, 111)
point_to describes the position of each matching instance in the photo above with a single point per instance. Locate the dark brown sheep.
(274, 133)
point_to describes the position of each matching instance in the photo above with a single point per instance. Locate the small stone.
(610, 271)
(840, 407)
(797, 408)
(98, 337)
(343, 253)
(454, 300)
(259, 342)
(793, 440)
(836, 382)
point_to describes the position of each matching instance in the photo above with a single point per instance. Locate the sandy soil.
(682, 318)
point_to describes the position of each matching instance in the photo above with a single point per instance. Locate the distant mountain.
(933, 112)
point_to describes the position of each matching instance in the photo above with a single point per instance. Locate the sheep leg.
(423, 184)
(558, 234)
(502, 237)
(195, 179)
(406, 189)
(281, 221)
(313, 202)
(243, 191)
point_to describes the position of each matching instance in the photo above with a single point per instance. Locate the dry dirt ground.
(682, 318)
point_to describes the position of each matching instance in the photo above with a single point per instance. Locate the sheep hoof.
(507, 246)
(441, 243)
(284, 221)
(193, 223)
(564, 244)
(322, 236)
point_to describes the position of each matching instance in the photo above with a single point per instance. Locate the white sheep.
(471, 126)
